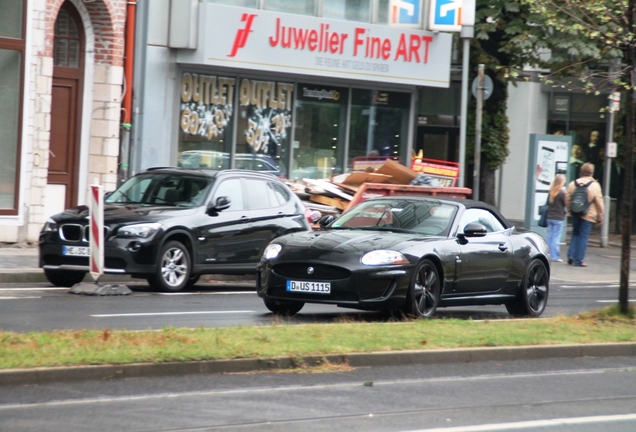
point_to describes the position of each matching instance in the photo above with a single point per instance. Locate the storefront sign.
(270, 41)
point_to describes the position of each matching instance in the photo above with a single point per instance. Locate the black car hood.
(123, 213)
(350, 240)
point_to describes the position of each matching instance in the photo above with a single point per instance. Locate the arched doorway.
(66, 105)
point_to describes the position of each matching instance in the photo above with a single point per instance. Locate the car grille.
(320, 272)
(77, 233)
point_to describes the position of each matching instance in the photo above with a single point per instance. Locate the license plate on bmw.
(76, 251)
(309, 287)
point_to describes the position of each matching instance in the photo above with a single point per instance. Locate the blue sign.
(446, 15)
(405, 12)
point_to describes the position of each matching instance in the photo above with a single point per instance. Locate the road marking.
(602, 421)
(172, 313)
(19, 298)
(302, 387)
(33, 289)
(612, 301)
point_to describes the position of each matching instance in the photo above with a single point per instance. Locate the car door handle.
(503, 247)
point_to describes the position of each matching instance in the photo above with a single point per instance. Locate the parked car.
(207, 159)
(171, 225)
(411, 254)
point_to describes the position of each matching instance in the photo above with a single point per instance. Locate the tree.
(580, 33)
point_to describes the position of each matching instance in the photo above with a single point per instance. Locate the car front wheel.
(533, 293)
(424, 291)
(64, 278)
(173, 271)
(283, 307)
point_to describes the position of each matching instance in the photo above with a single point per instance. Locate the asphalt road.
(564, 395)
(33, 307)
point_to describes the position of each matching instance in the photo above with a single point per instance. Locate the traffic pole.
(96, 227)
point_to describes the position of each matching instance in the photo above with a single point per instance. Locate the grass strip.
(99, 347)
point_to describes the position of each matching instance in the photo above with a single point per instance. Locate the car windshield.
(162, 189)
(422, 217)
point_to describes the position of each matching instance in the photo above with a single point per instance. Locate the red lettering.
(313, 40)
(401, 49)
(415, 48)
(386, 49)
(334, 40)
(358, 40)
(300, 37)
(427, 44)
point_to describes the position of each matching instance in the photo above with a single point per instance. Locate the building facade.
(299, 89)
(61, 64)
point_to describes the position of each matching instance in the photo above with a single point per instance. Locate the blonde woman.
(556, 215)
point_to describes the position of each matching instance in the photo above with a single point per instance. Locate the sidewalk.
(19, 263)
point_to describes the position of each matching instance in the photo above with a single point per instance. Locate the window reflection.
(351, 10)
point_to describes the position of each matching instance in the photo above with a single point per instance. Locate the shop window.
(320, 131)
(264, 121)
(205, 121)
(350, 10)
(379, 124)
(12, 48)
(300, 7)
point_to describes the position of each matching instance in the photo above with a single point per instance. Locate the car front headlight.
(383, 257)
(139, 230)
(50, 226)
(271, 251)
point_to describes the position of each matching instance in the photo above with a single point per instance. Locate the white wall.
(527, 114)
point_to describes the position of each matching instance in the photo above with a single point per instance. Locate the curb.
(400, 358)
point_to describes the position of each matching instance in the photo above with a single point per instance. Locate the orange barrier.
(372, 190)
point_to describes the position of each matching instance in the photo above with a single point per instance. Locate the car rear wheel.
(533, 293)
(283, 307)
(173, 272)
(64, 278)
(424, 291)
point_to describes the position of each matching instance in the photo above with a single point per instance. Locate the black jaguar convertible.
(408, 254)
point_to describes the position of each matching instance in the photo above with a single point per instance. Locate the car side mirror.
(221, 203)
(473, 229)
(326, 220)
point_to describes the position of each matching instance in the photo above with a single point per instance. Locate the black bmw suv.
(171, 225)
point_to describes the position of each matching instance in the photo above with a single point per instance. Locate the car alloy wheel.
(424, 291)
(533, 293)
(173, 271)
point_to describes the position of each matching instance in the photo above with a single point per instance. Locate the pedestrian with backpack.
(584, 201)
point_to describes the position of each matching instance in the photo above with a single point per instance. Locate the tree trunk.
(628, 184)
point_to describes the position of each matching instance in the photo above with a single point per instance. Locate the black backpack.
(579, 203)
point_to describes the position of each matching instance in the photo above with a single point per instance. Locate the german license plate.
(76, 251)
(309, 287)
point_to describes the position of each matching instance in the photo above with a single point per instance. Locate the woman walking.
(556, 215)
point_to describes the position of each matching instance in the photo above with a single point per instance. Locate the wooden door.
(66, 103)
